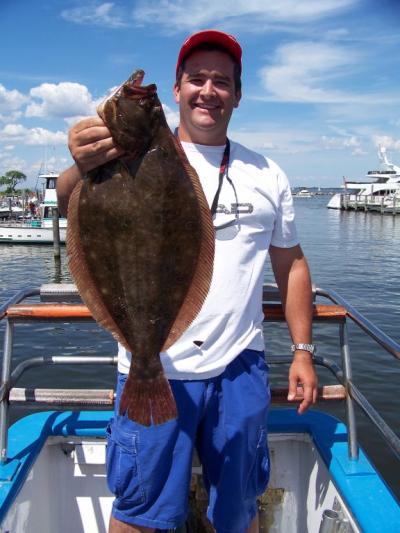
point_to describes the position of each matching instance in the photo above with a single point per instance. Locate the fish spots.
(143, 244)
(190, 225)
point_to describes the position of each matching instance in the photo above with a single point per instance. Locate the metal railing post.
(347, 375)
(5, 382)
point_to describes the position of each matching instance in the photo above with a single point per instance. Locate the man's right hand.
(91, 144)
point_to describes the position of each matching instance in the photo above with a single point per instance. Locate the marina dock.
(369, 203)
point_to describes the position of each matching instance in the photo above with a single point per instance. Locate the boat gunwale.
(359, 484)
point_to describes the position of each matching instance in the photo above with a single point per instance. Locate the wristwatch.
(310, 348)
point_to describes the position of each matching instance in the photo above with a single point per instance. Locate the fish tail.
(148, 401)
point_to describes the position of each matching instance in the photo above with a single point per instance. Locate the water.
(356, 254)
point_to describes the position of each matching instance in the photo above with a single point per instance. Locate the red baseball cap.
(211, 36)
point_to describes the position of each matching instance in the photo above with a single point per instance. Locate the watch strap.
(310, 348)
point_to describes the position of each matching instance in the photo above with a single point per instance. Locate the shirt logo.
(235, 209)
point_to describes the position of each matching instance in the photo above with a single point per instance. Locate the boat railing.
(61, 303)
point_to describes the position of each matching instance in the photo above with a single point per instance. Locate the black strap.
(222, 170)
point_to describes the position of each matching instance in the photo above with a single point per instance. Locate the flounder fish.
(140, 243)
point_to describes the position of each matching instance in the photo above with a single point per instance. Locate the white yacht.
(384, 182)
(303, 193)
(37, 230)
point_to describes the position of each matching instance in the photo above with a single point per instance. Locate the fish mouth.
(132, 88)
(137, 78)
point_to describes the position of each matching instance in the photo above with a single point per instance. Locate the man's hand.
(91, 144)
(302, 372)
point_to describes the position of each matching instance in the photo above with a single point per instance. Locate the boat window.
(51, 183)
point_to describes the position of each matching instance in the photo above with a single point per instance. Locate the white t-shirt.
(255, 209)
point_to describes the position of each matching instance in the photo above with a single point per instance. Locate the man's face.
(206, 97)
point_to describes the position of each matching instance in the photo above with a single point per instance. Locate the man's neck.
(206, 139)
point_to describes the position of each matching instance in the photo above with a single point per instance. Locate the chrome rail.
(343, 374)
(366, 325)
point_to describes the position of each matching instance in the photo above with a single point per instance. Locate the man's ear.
(176, 91)
(238, 97)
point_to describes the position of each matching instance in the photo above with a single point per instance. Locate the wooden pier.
(380, 204)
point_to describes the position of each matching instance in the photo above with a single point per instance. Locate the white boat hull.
(26, 234)
(335, 202)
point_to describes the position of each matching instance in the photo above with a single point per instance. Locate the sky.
(321, 78)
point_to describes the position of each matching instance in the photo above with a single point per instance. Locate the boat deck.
(317, 464)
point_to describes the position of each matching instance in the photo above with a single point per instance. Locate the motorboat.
(37, 230)
(52, 471)
(374, 191)
(303, 193)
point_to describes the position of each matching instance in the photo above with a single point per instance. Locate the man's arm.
(293, 278)
(91, 145)
(65, 185)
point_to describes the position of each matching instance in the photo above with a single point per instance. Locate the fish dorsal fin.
(80, 270)
(201, 282)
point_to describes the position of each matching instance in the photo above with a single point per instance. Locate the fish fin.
(201, 281)
(148, 401)
(81, 273)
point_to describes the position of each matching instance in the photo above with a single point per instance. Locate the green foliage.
(10, 180)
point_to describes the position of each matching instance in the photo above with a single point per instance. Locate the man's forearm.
(294, 282)
(65, 185)
(298, 303)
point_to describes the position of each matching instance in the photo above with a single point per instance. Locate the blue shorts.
(225, 419)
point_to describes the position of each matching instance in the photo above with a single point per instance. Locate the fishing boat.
(52, 472)
(37, 230)
(377, 192)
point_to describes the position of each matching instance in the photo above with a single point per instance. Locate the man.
(216, 369)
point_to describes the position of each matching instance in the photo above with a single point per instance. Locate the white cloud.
(11, 117)
(98, 15)
(301, 70)
(274, 138)
(11, 163)
(171, 116)
(340, 142)
(190, 14)
(11, 100)
(66, 99)
(11, 103)
(388, 142)
(16, 133)
(313, 72)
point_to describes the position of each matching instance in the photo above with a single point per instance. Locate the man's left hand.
(302, 372)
